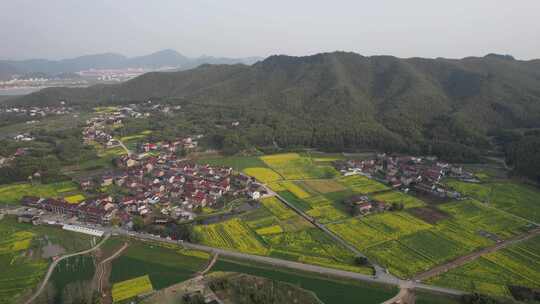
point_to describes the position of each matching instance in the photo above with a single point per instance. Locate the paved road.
(470, 257)
(295, 265)
(53, 265)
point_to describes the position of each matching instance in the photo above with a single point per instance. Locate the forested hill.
(345, 100)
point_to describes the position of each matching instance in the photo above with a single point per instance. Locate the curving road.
(55, 263)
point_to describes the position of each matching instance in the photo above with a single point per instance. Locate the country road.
(473, 256)
(55, 263)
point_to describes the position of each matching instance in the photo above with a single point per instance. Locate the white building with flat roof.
(85, 230)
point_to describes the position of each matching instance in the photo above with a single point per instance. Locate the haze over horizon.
(59, 29)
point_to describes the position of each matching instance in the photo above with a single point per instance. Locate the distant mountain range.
(345, 100)
(164, 58)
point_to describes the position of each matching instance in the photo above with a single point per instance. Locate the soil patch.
(429, 214)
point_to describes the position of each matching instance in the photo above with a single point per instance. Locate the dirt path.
(470, 257)
(101, 268)
(55, 263)
(210, 265)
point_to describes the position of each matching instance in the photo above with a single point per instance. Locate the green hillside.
(345, 101)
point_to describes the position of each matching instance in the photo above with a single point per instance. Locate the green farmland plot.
(294, 166)
(396, 224)
(362, 184)
(165, 265)
(398, 197)
(485, 218)
(518, 264)
(434, 246)
(399, 259)
(358, 233)
(12, 194)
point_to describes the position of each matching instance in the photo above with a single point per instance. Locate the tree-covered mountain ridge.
(345, 100)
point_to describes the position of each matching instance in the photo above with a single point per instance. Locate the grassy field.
(12, 193)
(165, 265)
(77, 270)
(21, 262)
(131, 288)
(518, 264)
(277, 208)
(361, 184)
(327, 289)
(484, 218)
(293, 166)
(399, 197)
(323, 185)
(264, 175)
(511, 197)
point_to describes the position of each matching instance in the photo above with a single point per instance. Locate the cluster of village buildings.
(408, 173)
(37, 112)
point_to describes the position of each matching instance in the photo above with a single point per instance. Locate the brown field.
(428, 214)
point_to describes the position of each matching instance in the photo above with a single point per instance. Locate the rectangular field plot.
(434, 246)
(238, 163)
(317, 201)
(131, 288)
(12, 194)
(293, 166)
(295, 189)
(484, 218)
(462, 233)
(399, 260)
(398, 197)
(277, 208)
(264, 175)
(293, 200)
(358, 234)
(362, 184)
(323, 185)
(231, 234)
(395, 224)
(327, 213)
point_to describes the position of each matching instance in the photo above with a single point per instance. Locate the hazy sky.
(235, 28)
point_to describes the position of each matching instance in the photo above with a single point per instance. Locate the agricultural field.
(131, 288)
(511, 197)
(293, 166)
(518, 264)
(362, 184)
(165, 265)
(327, 214)
(232, 234)
(71, 278)
(399, 259)
(357, 233)
(74, 199)
(277, 208)
(264, 175)
(323, 185)
(295, 189)
(395, 224)
(399, 197)
(12, 193)
(484, 218)
(327, 290)
(434, 246)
